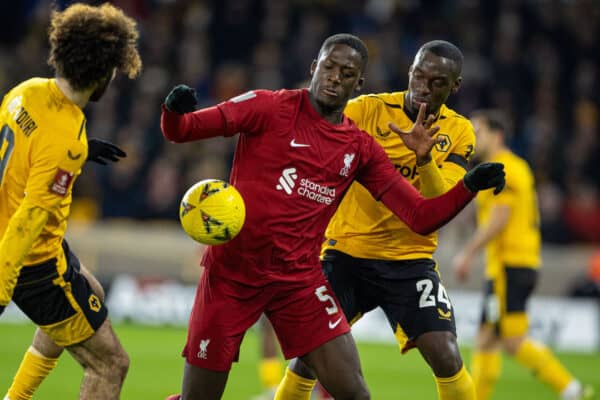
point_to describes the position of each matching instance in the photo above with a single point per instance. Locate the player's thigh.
(346, 275)
(337, 366)
(94, 284)
(415, 303)
(44, 345)
(222, 312)
(59, 299)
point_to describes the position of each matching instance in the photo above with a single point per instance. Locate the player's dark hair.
(495, 119)
(87, 43)
(348, 40)
(442, 48)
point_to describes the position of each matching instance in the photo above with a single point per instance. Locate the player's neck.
(329, 114)
(79, 97)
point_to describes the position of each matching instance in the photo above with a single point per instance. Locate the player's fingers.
(429, 121)
(421, 115)
(117, 150)
(431, 132)
(396, 129)
(499, 186)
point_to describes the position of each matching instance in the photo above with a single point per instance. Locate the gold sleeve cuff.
(432, 181)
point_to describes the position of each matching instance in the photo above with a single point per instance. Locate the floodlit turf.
(156, 369)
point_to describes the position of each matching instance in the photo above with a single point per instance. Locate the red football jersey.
(292, 168)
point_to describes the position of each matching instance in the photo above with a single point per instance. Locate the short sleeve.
(376, 173)
(54, 167)
(464, 148)
(356, 109)
(248, 112)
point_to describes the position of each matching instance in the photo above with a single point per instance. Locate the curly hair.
(87, 43)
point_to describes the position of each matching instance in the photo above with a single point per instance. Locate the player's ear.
(313, 67)
(457, 83)
(360, 84)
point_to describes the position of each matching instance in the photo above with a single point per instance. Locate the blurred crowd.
(536, 59)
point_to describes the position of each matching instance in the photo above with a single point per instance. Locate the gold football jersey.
(365, 228)
(518, 245)
(43, 146)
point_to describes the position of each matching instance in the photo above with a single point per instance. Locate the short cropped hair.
(495, 119)
(442, 48)
(87, 43)
(348, 40)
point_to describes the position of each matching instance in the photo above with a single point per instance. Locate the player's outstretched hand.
(421, 138)
(101, 151)
(485, 176)
(182, 99)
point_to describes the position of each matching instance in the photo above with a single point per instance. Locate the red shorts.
(305, 314)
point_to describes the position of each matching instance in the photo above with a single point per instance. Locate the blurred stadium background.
(536, 59)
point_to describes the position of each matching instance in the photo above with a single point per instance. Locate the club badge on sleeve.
(62, 181)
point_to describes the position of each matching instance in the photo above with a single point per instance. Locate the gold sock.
(32, 371)
(485, 369)
(543, 364)
(294, 387)
(270, 371)
(457, 387)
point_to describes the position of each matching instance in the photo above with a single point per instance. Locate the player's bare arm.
(463, 261)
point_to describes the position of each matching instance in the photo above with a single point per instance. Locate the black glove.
(485, 176)
(181, 100)
(101, 151)
(2, 309)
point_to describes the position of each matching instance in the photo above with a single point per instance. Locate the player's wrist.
(424, 161)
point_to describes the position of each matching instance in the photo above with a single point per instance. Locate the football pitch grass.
(156, 368)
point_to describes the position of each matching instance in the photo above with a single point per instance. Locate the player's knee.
(301, 369)
(357, 390)
(446, 364)
(512, 345)
(121, 364)
(441, 352)
(112, 367)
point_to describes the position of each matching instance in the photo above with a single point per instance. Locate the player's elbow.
(423, 229)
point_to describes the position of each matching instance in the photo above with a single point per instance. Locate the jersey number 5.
(322, 295)
(7, 144)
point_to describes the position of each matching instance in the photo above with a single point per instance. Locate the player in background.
(44, 145)
(270, 366)
(508, 229)
(296, 156)
(370, 257)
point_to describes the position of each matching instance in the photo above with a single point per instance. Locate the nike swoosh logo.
(294, 144)
(335, 323)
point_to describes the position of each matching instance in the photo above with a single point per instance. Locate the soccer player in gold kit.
(43, 146)
(370, 257)
(508, 228)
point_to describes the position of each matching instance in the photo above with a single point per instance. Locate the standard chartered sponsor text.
(316, 192)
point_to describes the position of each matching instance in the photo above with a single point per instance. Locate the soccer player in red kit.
(296, 156)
